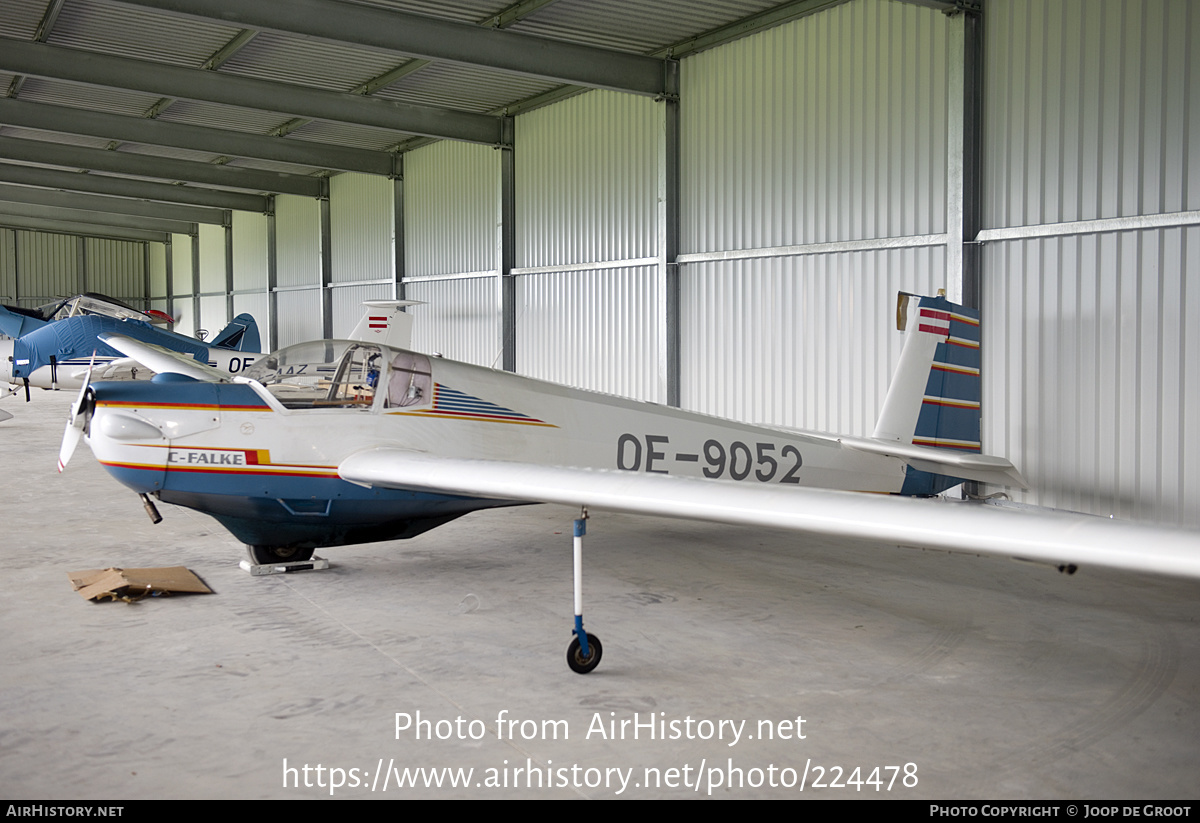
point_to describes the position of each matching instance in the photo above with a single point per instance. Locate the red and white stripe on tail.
(385, 323)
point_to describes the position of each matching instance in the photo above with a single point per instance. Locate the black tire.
(266, 555)
(575, 659)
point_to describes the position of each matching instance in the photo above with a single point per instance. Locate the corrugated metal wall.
(249, 252)
(212, 259)
(182, 305)
(452, 211)
(8, 265)
(587, 196)
(250, 271)
(158, 275)
(452, 203)
(460, 318)
(116, 268)
(597, 329)
(299, 311)
(828, 130)
(362, 228)
(363, 234)
(1092, 375)
(807, 342)
(181, 265)
(298, 256)
(587, 181)
(47, 267)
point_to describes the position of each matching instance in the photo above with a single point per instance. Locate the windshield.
(322, 374)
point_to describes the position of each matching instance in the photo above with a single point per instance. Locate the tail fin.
(385, 323)
(934, 399)
(240, 335)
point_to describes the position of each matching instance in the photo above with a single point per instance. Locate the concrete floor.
(996, 679)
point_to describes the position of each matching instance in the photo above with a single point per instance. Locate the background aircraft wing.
(1054, 537)
(161, 360)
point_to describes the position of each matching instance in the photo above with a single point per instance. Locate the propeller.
(81, 413)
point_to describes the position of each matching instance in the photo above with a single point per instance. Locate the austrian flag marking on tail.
(935, 322)
(377, 323)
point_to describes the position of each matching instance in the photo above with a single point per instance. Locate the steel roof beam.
(165, 168)
(433, 39)
(95, 218)
(125, 187)
(67, 120)
(89, 68)
(8, 221)
(110, 205)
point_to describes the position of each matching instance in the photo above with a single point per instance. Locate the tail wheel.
(266, 555)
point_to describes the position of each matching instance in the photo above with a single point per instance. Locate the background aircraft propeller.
(77, 421)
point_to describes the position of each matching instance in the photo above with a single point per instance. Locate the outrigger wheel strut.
(583, 654)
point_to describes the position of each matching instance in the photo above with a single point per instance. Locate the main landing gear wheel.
(267, 555)
(575, 659)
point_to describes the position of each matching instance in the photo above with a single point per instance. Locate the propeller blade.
(76, 421)
(70, 441)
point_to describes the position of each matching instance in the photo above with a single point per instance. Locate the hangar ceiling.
(217, 104)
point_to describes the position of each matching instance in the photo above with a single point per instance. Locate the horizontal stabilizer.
(967, 465)
(161, 360)
(1051, 537)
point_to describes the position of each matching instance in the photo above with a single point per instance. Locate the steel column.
(507, 249)
(668, 239)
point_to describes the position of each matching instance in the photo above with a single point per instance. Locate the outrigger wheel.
(580, 663)
(583, 654)
(268, 555)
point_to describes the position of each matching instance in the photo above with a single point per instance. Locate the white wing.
(161, 360)
(1054, 537)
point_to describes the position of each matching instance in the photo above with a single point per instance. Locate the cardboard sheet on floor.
(133, 584)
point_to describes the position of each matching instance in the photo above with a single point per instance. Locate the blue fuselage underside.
(306, 512)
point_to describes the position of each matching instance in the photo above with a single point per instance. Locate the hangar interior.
(704, 204)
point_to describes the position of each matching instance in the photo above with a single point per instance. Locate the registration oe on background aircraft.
(339, 442)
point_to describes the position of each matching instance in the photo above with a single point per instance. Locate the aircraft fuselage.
(264, 461)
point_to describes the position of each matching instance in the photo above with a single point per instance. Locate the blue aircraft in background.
(52, 346)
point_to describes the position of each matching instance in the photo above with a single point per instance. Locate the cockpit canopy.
(343, 374)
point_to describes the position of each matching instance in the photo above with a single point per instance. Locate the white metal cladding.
(116, 268)
(158, 274)
(8, 265)
(214, 315)
(47, 267)
(451, 209)
(1093, 110)
(299, 316)
(348, 305)
(212, 258)
(460, 319)
(587, 181)
(258, 307)
(596, 329)
(249, 251)
(1090, 373)
(362, 228)
(181, 265)
(807, 341)
(298, 243)
(829, 128)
